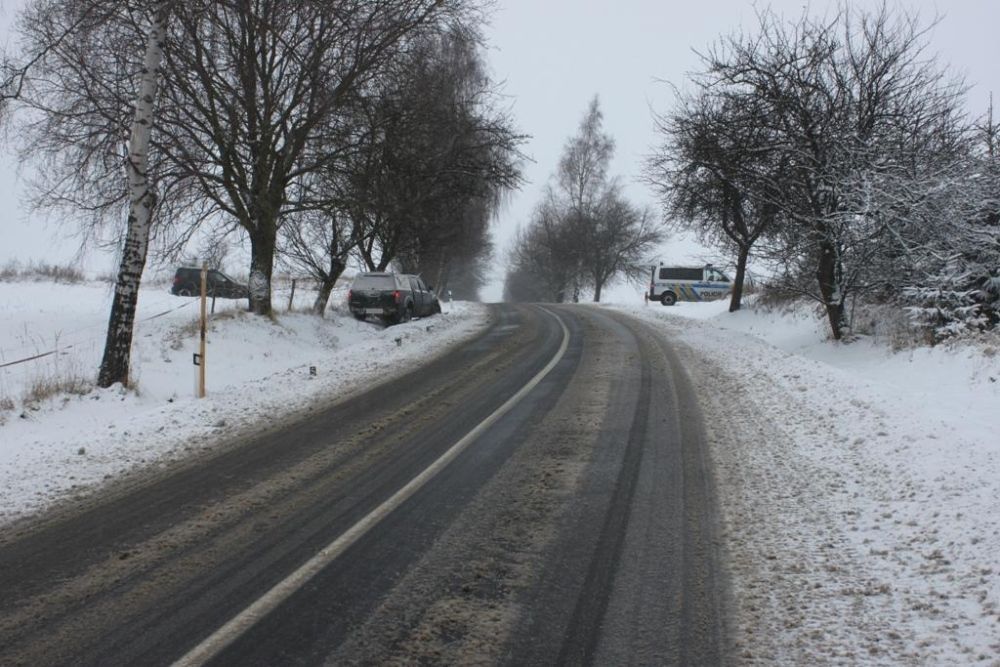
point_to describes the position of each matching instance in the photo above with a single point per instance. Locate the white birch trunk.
(118, 346)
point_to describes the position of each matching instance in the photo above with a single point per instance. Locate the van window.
(716, 276)
(680, 274)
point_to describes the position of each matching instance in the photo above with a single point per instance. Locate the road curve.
(575, 525)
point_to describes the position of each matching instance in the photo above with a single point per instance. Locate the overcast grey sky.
(554, 55)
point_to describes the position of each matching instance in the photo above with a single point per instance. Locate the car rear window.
(374, 282)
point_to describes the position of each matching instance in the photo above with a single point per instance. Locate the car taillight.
(350, 294)
(396, 296)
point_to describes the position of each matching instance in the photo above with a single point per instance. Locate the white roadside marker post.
(201, 344)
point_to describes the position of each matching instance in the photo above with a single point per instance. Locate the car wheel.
(407, 314)
(184, 291)
(437, 308)
(668, 299)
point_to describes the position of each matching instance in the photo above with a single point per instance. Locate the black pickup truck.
(393, 297)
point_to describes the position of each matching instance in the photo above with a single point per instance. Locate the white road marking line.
(238, 625)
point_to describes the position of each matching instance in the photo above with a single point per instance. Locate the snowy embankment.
(860, 489)
(63, 446)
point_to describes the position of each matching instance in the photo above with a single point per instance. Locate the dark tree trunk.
(598, 285)
(736, 300)
(366, 248)
(443, 277)
(262, 245)
(319, 305)
(327, 284)
(826, 275)
(118, 345)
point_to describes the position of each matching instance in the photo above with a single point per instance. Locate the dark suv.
(394, 297)
(187, 282)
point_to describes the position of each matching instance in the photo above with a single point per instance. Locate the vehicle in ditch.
(391, 297)
(187, 282)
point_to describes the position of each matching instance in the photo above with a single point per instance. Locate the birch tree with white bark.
(115, 362)
(106, 165)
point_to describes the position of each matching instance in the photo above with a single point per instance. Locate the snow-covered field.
(257, 371)
(860, 488)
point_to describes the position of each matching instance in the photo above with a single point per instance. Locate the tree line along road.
(539, 495)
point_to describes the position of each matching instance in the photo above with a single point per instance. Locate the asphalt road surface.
(539, 495)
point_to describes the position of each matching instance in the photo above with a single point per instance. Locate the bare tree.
(582, 176)
(854, 104)
(580, 183)
(525, 278)
(246, 113)
(538, 267)
(438, 158)
(92, 84)
(585, 233)
(87, 65)
(249, 107)
(319, 242)
(465, 272)
(424, 160)
(14, 69)
(255, 95)
(617, 239)
(714, 169)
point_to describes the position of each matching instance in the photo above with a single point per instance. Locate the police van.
(671, 284)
